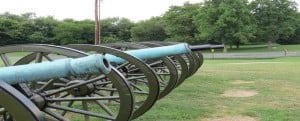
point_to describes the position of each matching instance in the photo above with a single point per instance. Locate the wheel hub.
(83, 90)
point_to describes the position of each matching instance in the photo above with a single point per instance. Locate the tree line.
(229, 22)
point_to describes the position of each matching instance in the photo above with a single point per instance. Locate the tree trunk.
(225, 48)
(238, 45)
(97, 23)
(269, 45)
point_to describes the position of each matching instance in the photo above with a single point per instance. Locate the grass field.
(277, 82)
(262, 48)
(200, 97)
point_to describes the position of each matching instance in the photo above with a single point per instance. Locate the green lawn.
(262, 48)
(277, 82)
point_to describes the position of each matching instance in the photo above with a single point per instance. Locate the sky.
(134, 10)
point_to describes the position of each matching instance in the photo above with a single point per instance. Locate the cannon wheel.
(145, 76)
(55, 97)
(14, 106)
(164, 68)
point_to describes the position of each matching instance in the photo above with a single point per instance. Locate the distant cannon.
(206, 47)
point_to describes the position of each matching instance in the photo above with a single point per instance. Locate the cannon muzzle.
(93, 64)
(205, 47)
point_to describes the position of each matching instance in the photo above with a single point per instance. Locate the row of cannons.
(80, 82)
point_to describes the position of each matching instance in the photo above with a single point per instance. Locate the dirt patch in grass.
(233, 118)
(242, 82)
(239, 93)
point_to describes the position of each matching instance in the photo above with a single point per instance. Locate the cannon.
(61, 97)
(149, 77)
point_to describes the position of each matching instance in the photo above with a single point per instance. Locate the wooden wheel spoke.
(48, 58)
(159, 68)
(133, 69)
(86, 108)
(5, 59)
(69, 105)
(129, 74)
(155, 63)
(105, 108)
(162, 73)
(74, 86)
(104, 95)
(46, 85)
(102, 83)
(54, 115)
(82, 99)
(79, 111)
(136, 77)
(141, 81)
(123, 65)
(140, 90)
(106, 88)
(38, 57)
(64, 95)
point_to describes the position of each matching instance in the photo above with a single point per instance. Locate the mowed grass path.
(277, 82)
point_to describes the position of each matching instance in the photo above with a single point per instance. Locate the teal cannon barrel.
(156, 52)
(93, 64)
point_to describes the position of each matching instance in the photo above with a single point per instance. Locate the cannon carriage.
(136, 81)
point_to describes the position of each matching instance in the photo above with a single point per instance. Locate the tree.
(4, 37)
(276, 19)
(70, 32)
(17, 28)
(44, 30)
(116, 29)
(295, 38)
(226, 21)
(6, 26)
(179, 24)
(14, 32)
(149, 30)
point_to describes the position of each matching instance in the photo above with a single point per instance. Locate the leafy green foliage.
(227, 22)
(277, 19)
(231, 22)
(149, 30)
(116, 29)
(44, 33)
(179, 24)
(70, 31)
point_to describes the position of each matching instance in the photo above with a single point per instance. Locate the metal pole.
(97, 25)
